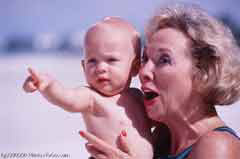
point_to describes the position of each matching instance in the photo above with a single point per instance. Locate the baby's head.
(112, 49)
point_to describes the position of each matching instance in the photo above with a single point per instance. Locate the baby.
(112, 57)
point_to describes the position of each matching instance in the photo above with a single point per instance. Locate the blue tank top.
(184, 154)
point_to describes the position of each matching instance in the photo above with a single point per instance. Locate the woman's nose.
(146, 72)
(101, 68)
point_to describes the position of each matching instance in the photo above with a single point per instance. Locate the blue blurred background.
(55, 26)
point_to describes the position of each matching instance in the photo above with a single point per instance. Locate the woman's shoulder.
(216, 144)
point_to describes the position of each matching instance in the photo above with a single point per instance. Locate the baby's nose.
(101, 68)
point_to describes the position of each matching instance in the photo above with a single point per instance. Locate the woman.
(190, 64)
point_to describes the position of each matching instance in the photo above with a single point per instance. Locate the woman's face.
(166, 74)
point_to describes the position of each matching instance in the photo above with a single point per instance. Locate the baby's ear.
(135, 66)
(82, 62)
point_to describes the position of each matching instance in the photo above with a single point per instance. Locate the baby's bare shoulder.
(87, 90)
(96, 101)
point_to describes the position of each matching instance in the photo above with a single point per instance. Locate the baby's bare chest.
(112, 119)
(109, 120)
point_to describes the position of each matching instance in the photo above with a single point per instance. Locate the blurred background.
(47, 35)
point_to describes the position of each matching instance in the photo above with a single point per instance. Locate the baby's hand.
(37, 81)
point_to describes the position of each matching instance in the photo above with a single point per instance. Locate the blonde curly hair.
(213, 49)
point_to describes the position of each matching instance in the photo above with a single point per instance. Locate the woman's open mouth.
(150, 95)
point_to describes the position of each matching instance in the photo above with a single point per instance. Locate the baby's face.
(108, 61)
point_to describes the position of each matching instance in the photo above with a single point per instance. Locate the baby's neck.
(113, 95)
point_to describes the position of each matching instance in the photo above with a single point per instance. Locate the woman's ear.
(135, 66)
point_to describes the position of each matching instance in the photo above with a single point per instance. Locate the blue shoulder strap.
(183, 154)
(227, 129)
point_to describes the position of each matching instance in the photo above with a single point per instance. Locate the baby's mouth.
(150, 95)
(102, 80)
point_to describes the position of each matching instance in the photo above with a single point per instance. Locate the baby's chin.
(105, 92)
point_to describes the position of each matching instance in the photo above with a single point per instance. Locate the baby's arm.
(72, 100)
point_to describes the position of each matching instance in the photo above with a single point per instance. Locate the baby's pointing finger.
(29, 85)
(35, 75)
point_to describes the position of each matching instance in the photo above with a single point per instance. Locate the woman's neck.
(188, 126)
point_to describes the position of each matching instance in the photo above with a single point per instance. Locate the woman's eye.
(164, 59)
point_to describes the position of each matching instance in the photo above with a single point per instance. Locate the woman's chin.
(156, 115)
(153, 115)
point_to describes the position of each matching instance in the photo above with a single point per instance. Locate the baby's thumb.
(29, 85)
(124, 143)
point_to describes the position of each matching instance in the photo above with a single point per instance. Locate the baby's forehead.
(112, 32)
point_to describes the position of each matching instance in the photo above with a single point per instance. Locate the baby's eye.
(164, 59)
(92, 60)
(112, 59)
